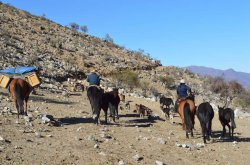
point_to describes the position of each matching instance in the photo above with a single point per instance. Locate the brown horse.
(20, 90)
(186, 110)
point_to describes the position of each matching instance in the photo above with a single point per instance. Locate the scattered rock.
(159, 162)
(137, 157)
(121, 162)
(161, 141)
(96, 146)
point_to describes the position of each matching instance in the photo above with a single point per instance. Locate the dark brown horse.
(111, 100)
(100, 100)
(94, 94)
(186, 110)
(20, 90)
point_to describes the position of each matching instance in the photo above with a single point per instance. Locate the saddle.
(181, 99)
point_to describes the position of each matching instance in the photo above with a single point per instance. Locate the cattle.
(226, 115)
(166, 101)
(166, 112)
(205, 114)
(142, 110)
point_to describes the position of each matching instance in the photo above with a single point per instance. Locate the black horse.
(226, 115)
(205, 114)
(94, 94)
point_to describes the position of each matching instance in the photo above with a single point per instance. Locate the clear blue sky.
(212, 33)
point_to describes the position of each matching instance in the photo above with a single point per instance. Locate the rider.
(182, 92)
(93, 78)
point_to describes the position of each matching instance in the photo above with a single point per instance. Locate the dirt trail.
(79, 141)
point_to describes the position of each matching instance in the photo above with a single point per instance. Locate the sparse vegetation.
(126, 77)
(168, 81)
(84, 29)
(74, 26)
(108, 38)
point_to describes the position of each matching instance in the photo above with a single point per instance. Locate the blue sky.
(214, 33)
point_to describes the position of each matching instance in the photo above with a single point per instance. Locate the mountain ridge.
(230, 74)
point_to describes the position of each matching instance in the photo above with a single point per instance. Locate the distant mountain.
(230, 74)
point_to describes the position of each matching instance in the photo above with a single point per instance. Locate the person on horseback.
(93, 78)
(182, 91)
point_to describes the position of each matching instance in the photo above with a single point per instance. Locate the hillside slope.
(59, 51)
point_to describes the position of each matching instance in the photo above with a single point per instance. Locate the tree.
(108, 38)
(74, 26)
(84, 29)
(235, 88)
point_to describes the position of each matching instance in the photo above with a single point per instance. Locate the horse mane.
(191, 96)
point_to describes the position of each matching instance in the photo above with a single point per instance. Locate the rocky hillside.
(59, 51)
(63, 53)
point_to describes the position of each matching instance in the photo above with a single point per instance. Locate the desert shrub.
(154, 91)
(74, 26)
(145, 85)
(126, 77)
(108, 38)
(234, 88)
(243, 100)
(84, 29)
(168, 81)
(218, 85)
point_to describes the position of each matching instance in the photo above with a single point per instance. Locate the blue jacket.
(183, 90)
(93, 79)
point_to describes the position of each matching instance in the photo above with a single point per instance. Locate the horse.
(226, 115)
(20, 90)
(95, 94)
(166, 101)
(103, 100)
(111, 100)
(116, 101)
(205, 114)
(186, 110)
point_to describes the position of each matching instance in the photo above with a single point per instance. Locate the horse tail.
(187, 118)
(232, 120)
(19, 97)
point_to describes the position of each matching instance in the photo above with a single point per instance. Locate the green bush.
(168, 81)
(126, 77)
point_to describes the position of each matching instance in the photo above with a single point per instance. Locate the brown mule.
(186, 110)
(20, 90)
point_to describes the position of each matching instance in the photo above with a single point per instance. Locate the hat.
(93, 70)
(182, 81)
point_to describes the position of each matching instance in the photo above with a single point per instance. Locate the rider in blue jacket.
(93, 78)
(182, 92)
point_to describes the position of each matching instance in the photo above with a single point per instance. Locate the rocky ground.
(70, 137)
